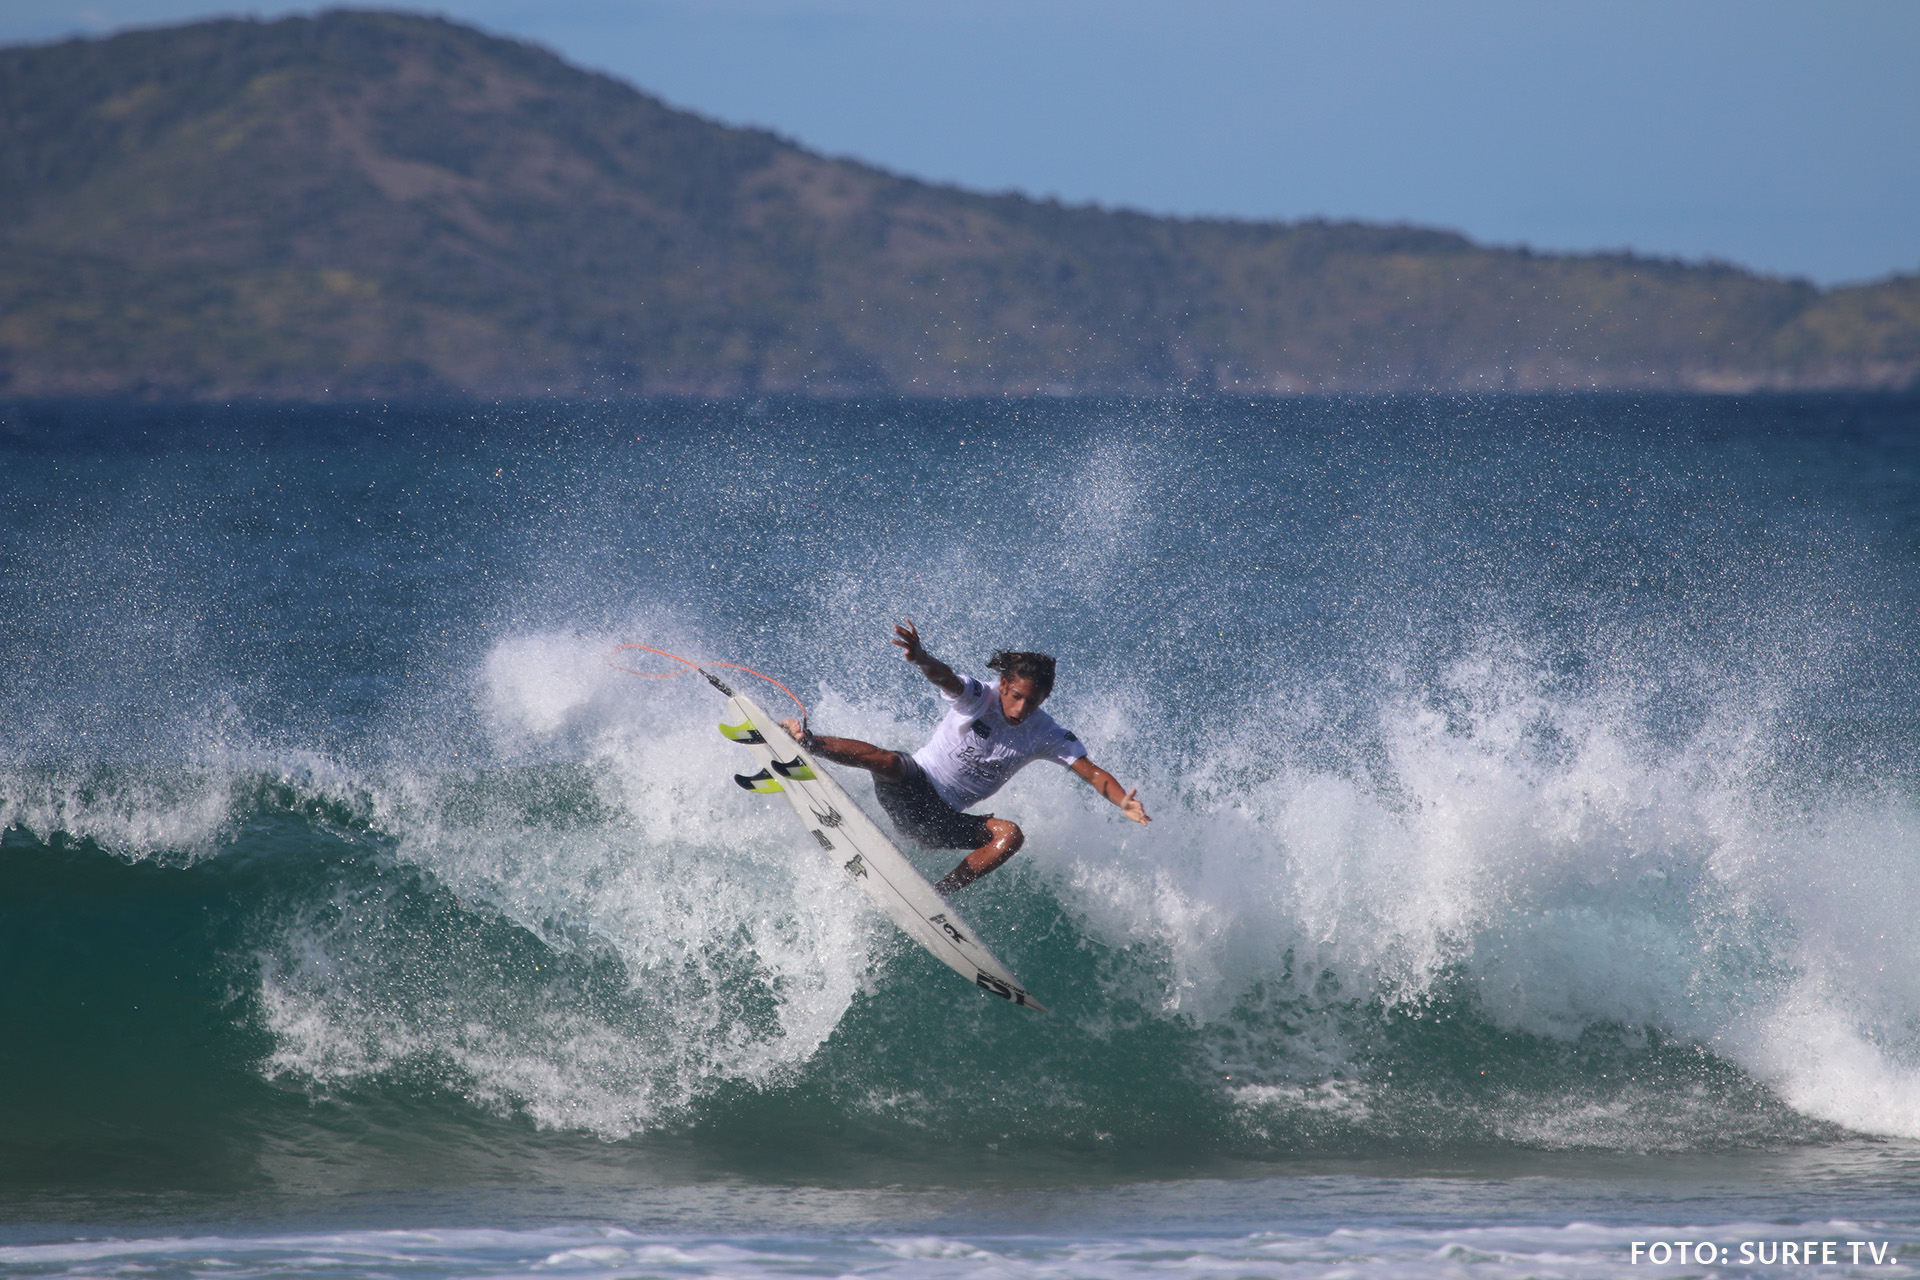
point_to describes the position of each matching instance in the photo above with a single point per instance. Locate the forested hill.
(364, 204)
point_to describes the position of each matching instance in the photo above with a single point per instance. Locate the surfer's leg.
(1007, 839)
(851, 751)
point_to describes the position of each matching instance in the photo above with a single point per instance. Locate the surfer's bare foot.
(954, 881)
(849, 751)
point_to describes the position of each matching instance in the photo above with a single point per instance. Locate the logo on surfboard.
(1005, 990)
(947, 924)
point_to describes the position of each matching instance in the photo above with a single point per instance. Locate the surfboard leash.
(712, 679)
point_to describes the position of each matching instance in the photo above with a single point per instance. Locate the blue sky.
(1782, 136)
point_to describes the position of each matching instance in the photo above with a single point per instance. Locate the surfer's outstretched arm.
(931, 667)
(1109, 786)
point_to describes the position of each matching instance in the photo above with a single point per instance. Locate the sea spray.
(1518, 782)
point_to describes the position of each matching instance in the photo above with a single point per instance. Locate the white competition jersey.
(974, 751)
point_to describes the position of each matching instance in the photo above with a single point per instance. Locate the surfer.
(991, 731)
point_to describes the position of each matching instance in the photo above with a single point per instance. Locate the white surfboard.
(851, 839)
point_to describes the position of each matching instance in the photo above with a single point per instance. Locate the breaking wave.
(1463, 839)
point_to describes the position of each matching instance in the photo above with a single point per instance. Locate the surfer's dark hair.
(1037, 667)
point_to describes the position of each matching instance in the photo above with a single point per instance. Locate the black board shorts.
(920, 815)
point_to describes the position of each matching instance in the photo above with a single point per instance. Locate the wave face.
(1527, 775)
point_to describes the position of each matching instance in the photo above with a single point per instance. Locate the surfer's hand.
(797, 731)
(908, 637)
(1132, 807)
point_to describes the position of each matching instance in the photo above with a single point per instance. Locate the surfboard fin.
(742, 733)
(762, 782)
(796, 769)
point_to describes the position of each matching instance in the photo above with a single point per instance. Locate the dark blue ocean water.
(1535, 867)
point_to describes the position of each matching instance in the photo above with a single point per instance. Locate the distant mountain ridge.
(372, 204)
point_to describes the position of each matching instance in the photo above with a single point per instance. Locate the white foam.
(1422, 1253)
(1571, 870)
(181, 808)
(132, 812)
(740, 947)
(1574, 871)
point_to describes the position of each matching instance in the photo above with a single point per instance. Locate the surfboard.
(848, 836)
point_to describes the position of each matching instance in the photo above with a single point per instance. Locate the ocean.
(1532, 889)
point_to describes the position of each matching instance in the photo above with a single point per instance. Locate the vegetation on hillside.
(365, 204)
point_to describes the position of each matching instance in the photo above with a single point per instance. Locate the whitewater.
(1534, 868)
